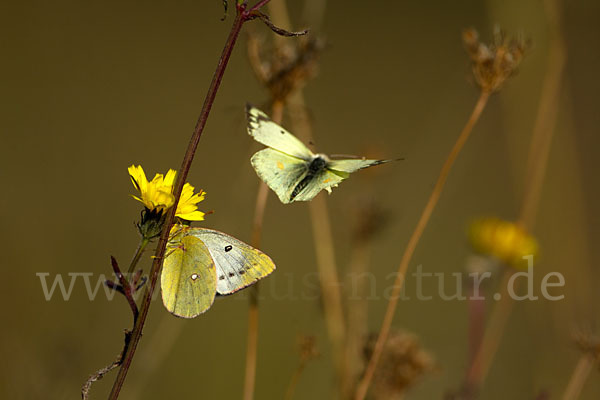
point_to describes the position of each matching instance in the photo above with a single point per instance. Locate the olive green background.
(89, 88)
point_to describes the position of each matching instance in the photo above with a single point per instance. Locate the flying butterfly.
(289, 168)
(201, 263)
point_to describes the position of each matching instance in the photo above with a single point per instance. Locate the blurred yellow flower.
(504, 240)
(157, 196)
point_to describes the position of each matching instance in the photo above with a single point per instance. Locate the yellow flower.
(157, 196)
(504, 240)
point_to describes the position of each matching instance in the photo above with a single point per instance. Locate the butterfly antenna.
(345, 156)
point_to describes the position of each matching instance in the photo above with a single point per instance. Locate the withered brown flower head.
(588, 342)
(307, 345)
(403, 362)
(370, 218)
(493, 64)
(289, 67)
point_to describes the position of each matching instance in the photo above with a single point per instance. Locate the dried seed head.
(403, 362)
(288, 67)
(588, 342)
(370, 219)
(308, 347)
(493, 64)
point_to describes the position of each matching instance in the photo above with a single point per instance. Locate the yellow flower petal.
(138, 177)
(170, 178)
(192, 216)
(157, 180)
(197, 198)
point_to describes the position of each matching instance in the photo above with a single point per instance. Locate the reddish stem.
(127, 291)
(241, 17)
(258, 5)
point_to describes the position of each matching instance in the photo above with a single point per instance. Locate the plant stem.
(252, 340)
(241, 17)
(543, 130)
(537, 162)
(161, 341)
(126, 287)
(476, 320)
(258, 5)
(322, 235)
(580, 374)
(330, 282)
(323, 241)
(136, 257)
(251, 344)
(488, 347)
(357, 309)
(289, 393)
(96, 376)
(363, 385)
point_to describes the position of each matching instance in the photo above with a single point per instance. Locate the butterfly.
(201, 263)
(289, 168)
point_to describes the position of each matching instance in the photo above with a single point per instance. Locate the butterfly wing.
(188, 280)
(267, 132)
(238, 265)
(279, 171)
(325, 179)
(351, 165)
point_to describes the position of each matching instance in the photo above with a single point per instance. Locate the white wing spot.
(194, 277)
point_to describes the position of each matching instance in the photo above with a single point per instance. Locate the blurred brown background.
(88, 88)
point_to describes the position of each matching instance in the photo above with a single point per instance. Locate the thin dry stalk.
(322, 236)
(545, 123)
(289, 393)
(476, 322)
(363, 385)
(371, 221)
(537, 162)
(324, 249)
(96, 376)
(251, 345)
(580, 375)
(308, 351)
(257, 227)
(357, 311)
(279, 14)
(492, 337)
(330, 282)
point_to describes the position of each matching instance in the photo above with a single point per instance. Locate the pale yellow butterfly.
(289, 168)
(201, 263)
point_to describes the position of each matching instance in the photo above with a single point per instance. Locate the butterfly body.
(314, 168)
(289, 168)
